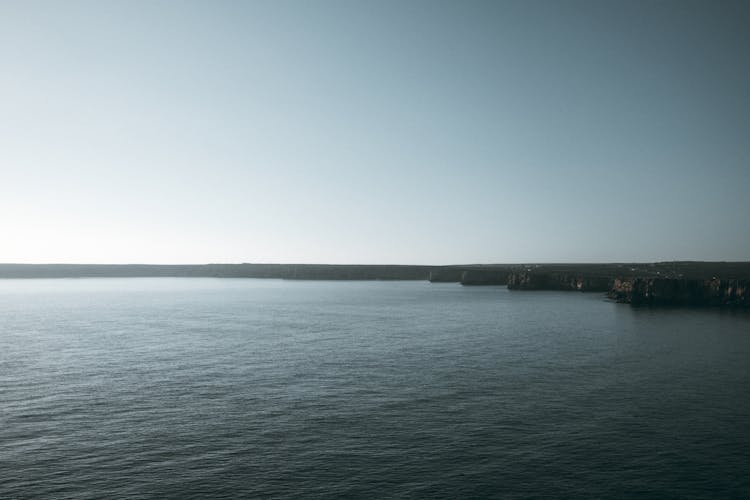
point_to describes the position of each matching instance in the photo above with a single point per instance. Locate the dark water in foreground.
(154, 388)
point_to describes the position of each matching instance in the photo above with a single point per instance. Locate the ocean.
(245, 388)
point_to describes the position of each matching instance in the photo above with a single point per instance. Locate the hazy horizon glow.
(374, 133)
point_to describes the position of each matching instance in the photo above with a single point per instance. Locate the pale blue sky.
(374, 132)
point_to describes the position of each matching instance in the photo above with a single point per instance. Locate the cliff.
(558, 281)
(681, 292)
(657, 284)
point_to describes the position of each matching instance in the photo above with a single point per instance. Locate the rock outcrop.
(681, 292)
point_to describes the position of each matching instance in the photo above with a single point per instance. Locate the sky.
(374, 132)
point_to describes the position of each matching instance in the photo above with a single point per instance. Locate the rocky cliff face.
(681, 292)
(557, 281)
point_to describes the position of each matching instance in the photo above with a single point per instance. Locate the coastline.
(683, 283)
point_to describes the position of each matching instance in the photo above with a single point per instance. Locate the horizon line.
(518, 263)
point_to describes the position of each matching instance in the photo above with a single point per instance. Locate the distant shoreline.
(468, 273)
(684, 283)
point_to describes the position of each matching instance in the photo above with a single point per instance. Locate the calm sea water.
(211, 388)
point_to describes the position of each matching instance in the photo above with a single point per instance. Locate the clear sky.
(374, 132)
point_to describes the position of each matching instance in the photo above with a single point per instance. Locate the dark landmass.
(559, 281)
(662, 283)
(471, 275)
(656, 284)
(276, 271)
(681, 292)
(483, 277)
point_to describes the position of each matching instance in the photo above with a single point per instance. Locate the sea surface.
(244, 388)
